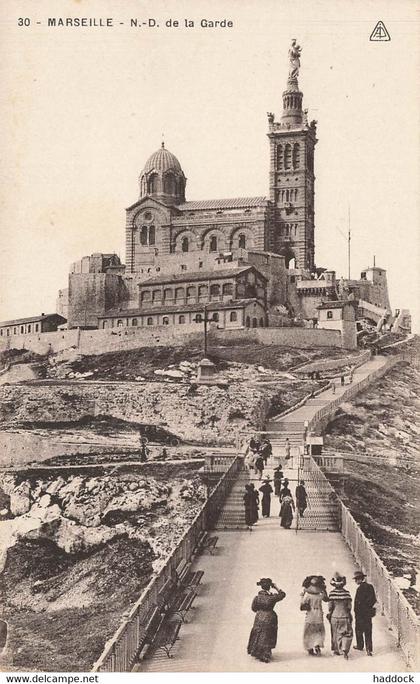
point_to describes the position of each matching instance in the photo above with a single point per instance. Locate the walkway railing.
(352, 390)
(122, 649)
(393, 604)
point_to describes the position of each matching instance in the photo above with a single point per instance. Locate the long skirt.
(265, 505)
(263, 635)
(286, 516)
(313, 635)
(341, 634)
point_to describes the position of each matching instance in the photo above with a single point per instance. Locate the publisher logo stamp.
(380, 33)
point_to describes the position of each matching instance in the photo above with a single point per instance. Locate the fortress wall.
(101, 341)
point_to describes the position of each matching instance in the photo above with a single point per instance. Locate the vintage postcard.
(209, 351)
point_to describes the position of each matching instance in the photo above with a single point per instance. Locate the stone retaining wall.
(101, 341)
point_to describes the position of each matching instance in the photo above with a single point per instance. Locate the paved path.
(216, 636)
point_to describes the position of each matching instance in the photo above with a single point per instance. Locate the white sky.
(82, 110)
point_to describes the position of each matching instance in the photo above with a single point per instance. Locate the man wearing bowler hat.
(364, 611)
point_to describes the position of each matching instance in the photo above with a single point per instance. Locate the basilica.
(249, 261)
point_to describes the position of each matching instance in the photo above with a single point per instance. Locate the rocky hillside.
(383, 495)
(76, 552)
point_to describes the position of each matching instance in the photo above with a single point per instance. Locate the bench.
(167, 636)
(206, 542)
(183, 603)
(181, 572)
(193, 579)
(149, 627)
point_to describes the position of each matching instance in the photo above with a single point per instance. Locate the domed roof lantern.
(163, 178)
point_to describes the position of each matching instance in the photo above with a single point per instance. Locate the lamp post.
(205, 319)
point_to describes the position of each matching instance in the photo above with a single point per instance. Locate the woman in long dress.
(314, 593)
(267, 491)
(339, 615)
(263, 637)
(286, 512)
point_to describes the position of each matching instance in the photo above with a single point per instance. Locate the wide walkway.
(215, 638)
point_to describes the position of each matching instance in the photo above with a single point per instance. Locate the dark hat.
(265, 581)
(338, 580)
(359, 575)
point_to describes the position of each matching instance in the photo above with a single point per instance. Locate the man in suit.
(364, 611)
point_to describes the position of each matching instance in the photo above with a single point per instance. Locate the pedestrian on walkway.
(313, 594)
(263, 637)
(259, 466)
(254, 444)
(287, 509)
(144, 451)
(333, 386)
(364, 611)
(267, 491)
(339, 615)
(351, 376)
(301, 498)
(287, 449)
(278, 476)
(342, 379)
(251, 511)
(255, 502)
(285, 491)
(266, 449)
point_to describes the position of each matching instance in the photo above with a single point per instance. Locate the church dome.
(162, 160)
(163, 178)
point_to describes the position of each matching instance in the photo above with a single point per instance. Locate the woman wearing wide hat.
(267, 491)
(339, 615)
(263, 637)
(313, 594)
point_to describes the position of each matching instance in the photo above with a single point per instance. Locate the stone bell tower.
(292, 143)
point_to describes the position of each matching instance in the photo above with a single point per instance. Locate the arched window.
(191, 292)
(169, 184)
(242, 241)
(22, 329)
(296, 156)
(36, 328)
(287, 156)
(145, 296)
(29, 329)
(213, 243)
(261, 322)
(134, 322)
(227, 289)
(152, 235)
(165, 320)
(179, 293)
(248, 322)
(202, 291)
(119, 323)
(185, 244)
(150, 321)
(104, 324)
(254, 323)
(280, 157)
(215, 317)
(181, 319)
(214, 290)
(152, 183)
(168, 294)
(233, 316)
(143, 235)
(156, 296)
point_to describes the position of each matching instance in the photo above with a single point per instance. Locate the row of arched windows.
(170, 185)
(19, 331)
(288, 156)
(180, 319)
(289, 229)
(288, 195)
(213, 243)
(179, 293)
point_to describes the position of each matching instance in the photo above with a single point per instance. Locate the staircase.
(232, 515)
